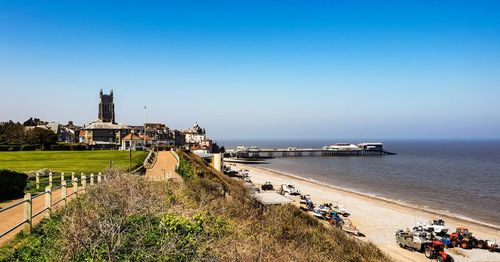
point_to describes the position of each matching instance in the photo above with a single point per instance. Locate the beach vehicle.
(267, 186)
(289, 189)
(231, 173)
(413, 240)
(493, 246)
(488, 244)
(445, 239)
(435, 250)
(463, 238)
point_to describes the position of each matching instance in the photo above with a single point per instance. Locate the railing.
(176, 156)
(150, 159)
(52, 180)
(49, 205)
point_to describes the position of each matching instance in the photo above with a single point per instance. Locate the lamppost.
(130, 155)
(144, 127)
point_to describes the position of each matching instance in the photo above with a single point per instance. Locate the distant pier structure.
(339, 149)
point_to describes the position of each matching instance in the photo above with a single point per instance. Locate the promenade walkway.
(15, 215)
(164, 166)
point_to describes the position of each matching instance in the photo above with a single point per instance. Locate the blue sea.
(459, 177)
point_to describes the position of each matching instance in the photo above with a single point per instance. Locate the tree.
(12, 133)
(41, 136)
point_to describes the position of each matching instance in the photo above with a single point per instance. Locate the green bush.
(15, 148)
(29, 147)
(186, 169)
(12, 183)
(67, 147)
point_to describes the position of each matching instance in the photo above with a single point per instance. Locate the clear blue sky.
(289, 69)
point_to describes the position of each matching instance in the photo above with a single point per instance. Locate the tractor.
(463, 238)
(267, 186)
(435, 249)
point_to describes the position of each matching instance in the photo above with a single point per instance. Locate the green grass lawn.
(69, 161)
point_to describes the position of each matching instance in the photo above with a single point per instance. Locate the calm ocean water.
(461, 177)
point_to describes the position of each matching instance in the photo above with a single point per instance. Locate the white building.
(194, 135)
(132, 142)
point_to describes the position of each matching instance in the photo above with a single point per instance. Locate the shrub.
(12, 183)
(15, 148)
(29, 147)
(67, 146)
(186, 169)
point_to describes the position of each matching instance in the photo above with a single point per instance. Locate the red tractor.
(435, 249)
(463, 238)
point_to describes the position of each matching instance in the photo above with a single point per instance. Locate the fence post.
(64, 192)
(27, 212)
(50, 179)
(84, 182)
(48, 200)
(91, 179)
(75, 185)
(99, 178)
(37, 180)
(62, 177)
(72, 176)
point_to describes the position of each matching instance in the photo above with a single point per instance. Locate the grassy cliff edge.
(130, 218)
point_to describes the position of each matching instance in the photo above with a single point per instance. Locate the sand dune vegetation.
(131, 218)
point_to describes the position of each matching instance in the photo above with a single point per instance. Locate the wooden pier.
(273, 153)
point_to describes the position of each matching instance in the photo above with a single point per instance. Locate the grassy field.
(69, 161)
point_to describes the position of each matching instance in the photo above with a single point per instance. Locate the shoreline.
(402, 204)
(378, 218)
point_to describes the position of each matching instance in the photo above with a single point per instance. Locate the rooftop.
(272, 198)
(99, 124)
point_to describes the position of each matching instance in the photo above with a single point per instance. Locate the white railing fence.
(28, 216)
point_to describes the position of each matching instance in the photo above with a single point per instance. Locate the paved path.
(13, 216)
(164, 166)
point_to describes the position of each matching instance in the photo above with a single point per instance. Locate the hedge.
(12, 183)
(67, 146)
(10, 147)
(29, 147)
(15, 147)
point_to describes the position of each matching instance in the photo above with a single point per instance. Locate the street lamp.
(144, 126)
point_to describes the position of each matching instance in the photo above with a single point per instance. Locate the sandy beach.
(377, 218)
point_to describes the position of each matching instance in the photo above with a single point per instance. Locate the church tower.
(106, 107)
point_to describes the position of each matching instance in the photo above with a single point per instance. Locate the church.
(105, 132)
